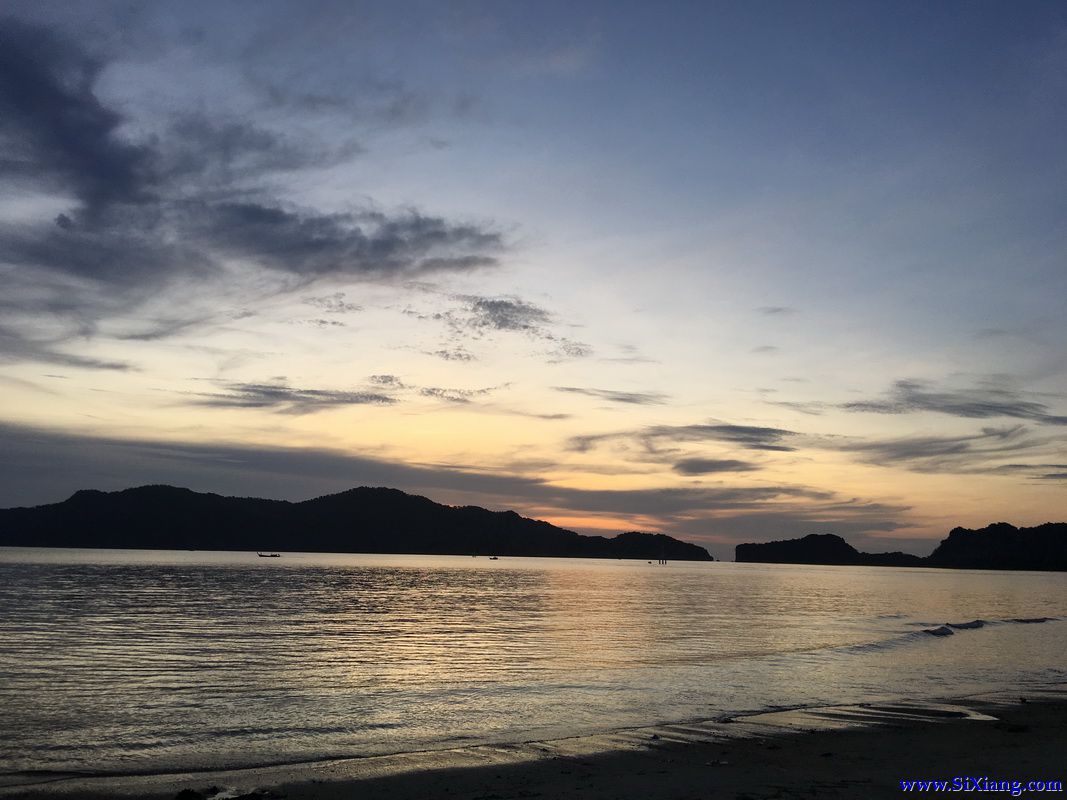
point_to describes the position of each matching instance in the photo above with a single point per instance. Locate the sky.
(727, 271)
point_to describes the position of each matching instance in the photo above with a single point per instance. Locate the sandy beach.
(836, 752)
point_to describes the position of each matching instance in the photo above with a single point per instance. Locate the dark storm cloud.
(908, 396)
(654, 438)
(286, 399)
(706, 466)
(184, 201)
(629, 398)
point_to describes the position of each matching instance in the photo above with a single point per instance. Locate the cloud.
(503, 314)
(226, 152)
(15, 347)
(1039, 472)
(705, 466)
(388, 381)
(164, 328)
(567, 349)
(385, 389)
(811, 408)
(983, 452)
(908, 396)
(43, 466)
(333, 303)
(54, 128)
(279, 397)
(864, 524)
(454, 395)
(453, 354)
(776, 310)
(229, 467)
(189, 200)
(368, 244)
(630, 398)
(978, 452)
(480, 318)
(654, 438)
(766, 349)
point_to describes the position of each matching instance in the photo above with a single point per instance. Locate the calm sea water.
(161, 660)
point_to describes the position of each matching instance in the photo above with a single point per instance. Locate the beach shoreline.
(829, 751)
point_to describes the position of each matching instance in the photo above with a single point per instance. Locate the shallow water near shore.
(148, 661)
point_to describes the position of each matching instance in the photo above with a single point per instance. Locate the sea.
(140, 661)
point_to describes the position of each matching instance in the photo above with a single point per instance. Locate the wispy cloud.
(335, 303)
(459, 354)
(14, 346)
(654, 438)
(455, 395)
(1041, 472)
(615, 396)
(908, 396)
(382, 389)
(286, 399)
(706, 466)
(476, 318)
(978, 452)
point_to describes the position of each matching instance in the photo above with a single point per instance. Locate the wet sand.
(832, 752)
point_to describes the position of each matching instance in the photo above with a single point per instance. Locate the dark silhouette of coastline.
(363, 520)
(997, 546)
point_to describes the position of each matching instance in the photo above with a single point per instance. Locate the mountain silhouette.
(363, 520)
(997, 546)
(1003, 546)
(820, 548)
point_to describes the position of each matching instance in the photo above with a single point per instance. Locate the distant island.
(363, 520)
(997, 546)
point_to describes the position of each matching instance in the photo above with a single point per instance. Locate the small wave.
(941, 630)
(966, 626)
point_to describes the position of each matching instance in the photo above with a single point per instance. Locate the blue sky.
(730, 271)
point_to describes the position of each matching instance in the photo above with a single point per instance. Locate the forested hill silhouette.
(996, 546)
(821, 548)
(363, 520)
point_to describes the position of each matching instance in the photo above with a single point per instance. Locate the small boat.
(494, 558)
(269, 555)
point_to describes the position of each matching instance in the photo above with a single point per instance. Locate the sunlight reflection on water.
(145, 660)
